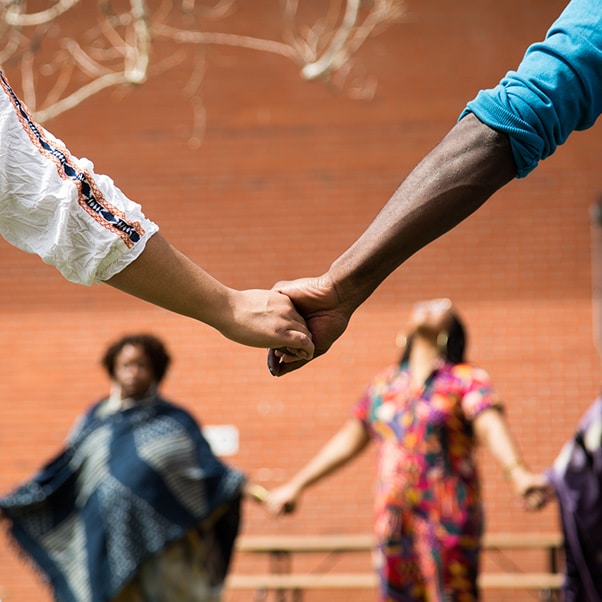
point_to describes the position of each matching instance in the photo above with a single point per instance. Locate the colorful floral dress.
(428, 513)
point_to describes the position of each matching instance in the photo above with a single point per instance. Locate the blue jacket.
(556, 89)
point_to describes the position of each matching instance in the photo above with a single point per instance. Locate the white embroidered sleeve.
(54, 205)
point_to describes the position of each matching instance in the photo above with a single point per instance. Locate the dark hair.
(153, 348)
(455, 347)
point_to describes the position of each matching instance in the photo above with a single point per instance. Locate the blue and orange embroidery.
(90, 197)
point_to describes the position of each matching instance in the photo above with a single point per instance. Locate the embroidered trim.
(90, 197)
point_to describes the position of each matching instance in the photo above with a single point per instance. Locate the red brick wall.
(288, 174)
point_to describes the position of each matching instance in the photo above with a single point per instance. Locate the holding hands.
(261, 318)
(282, 500)
(162, 275)
(533, 489)
(319, 302)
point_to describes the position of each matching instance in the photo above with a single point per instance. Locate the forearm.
(492, 431)
(448, 185)
(163, 276)
(343, 447)
(533, 488)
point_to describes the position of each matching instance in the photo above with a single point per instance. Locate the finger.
(280, 368)
(299, 345)
(282, 361)
(287, 368)
(534, 500)
(288, 355)
(274, 361)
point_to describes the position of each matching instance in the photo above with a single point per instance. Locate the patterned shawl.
(123, 488)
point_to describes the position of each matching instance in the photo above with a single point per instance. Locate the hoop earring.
(401, 341)
(442, 339)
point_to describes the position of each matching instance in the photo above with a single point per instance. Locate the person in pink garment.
(426, 414)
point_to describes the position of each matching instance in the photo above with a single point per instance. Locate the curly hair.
(153, 348)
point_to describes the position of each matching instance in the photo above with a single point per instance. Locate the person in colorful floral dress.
(426, 414)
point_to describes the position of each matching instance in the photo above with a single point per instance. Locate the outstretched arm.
(55, 205)
(504, 133)
(493, 432)
(164, 276)
(346, 444)
(448, 185)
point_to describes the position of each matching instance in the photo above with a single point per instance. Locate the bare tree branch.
(335, 52)
(14, 17)
(69, 102)
(224, 39)
(116, 48)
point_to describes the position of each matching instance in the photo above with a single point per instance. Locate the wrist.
(514, 468)
(224, 313)
(348, 286)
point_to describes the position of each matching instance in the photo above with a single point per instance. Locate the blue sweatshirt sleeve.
(556, 89)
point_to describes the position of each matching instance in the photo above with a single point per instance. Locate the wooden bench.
(536, 581)
(280, 578)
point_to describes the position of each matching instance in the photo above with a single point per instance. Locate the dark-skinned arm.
(471, 163)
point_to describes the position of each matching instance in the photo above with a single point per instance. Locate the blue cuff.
(556, 89)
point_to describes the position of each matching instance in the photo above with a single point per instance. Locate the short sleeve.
(478, 393)
(362, 410)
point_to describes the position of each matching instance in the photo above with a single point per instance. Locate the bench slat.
(521, 580)
(537, 581)
(304, 543)
(291, 544)
(302, 581)
(358, 543)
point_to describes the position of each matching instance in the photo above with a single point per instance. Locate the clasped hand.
(316, 299)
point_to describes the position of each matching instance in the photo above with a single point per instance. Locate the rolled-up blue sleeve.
(556, 89)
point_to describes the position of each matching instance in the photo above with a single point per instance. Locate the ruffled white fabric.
(54, 205)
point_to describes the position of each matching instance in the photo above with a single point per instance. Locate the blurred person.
(54, 205)
(502, 134)
(426, 414)
(575, 481)
(136, 508)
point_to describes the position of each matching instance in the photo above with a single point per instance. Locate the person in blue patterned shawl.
(136, 508)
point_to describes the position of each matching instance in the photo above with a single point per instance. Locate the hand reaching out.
(534, 489)
(317, 300)
(261, 318)
(282, 500)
